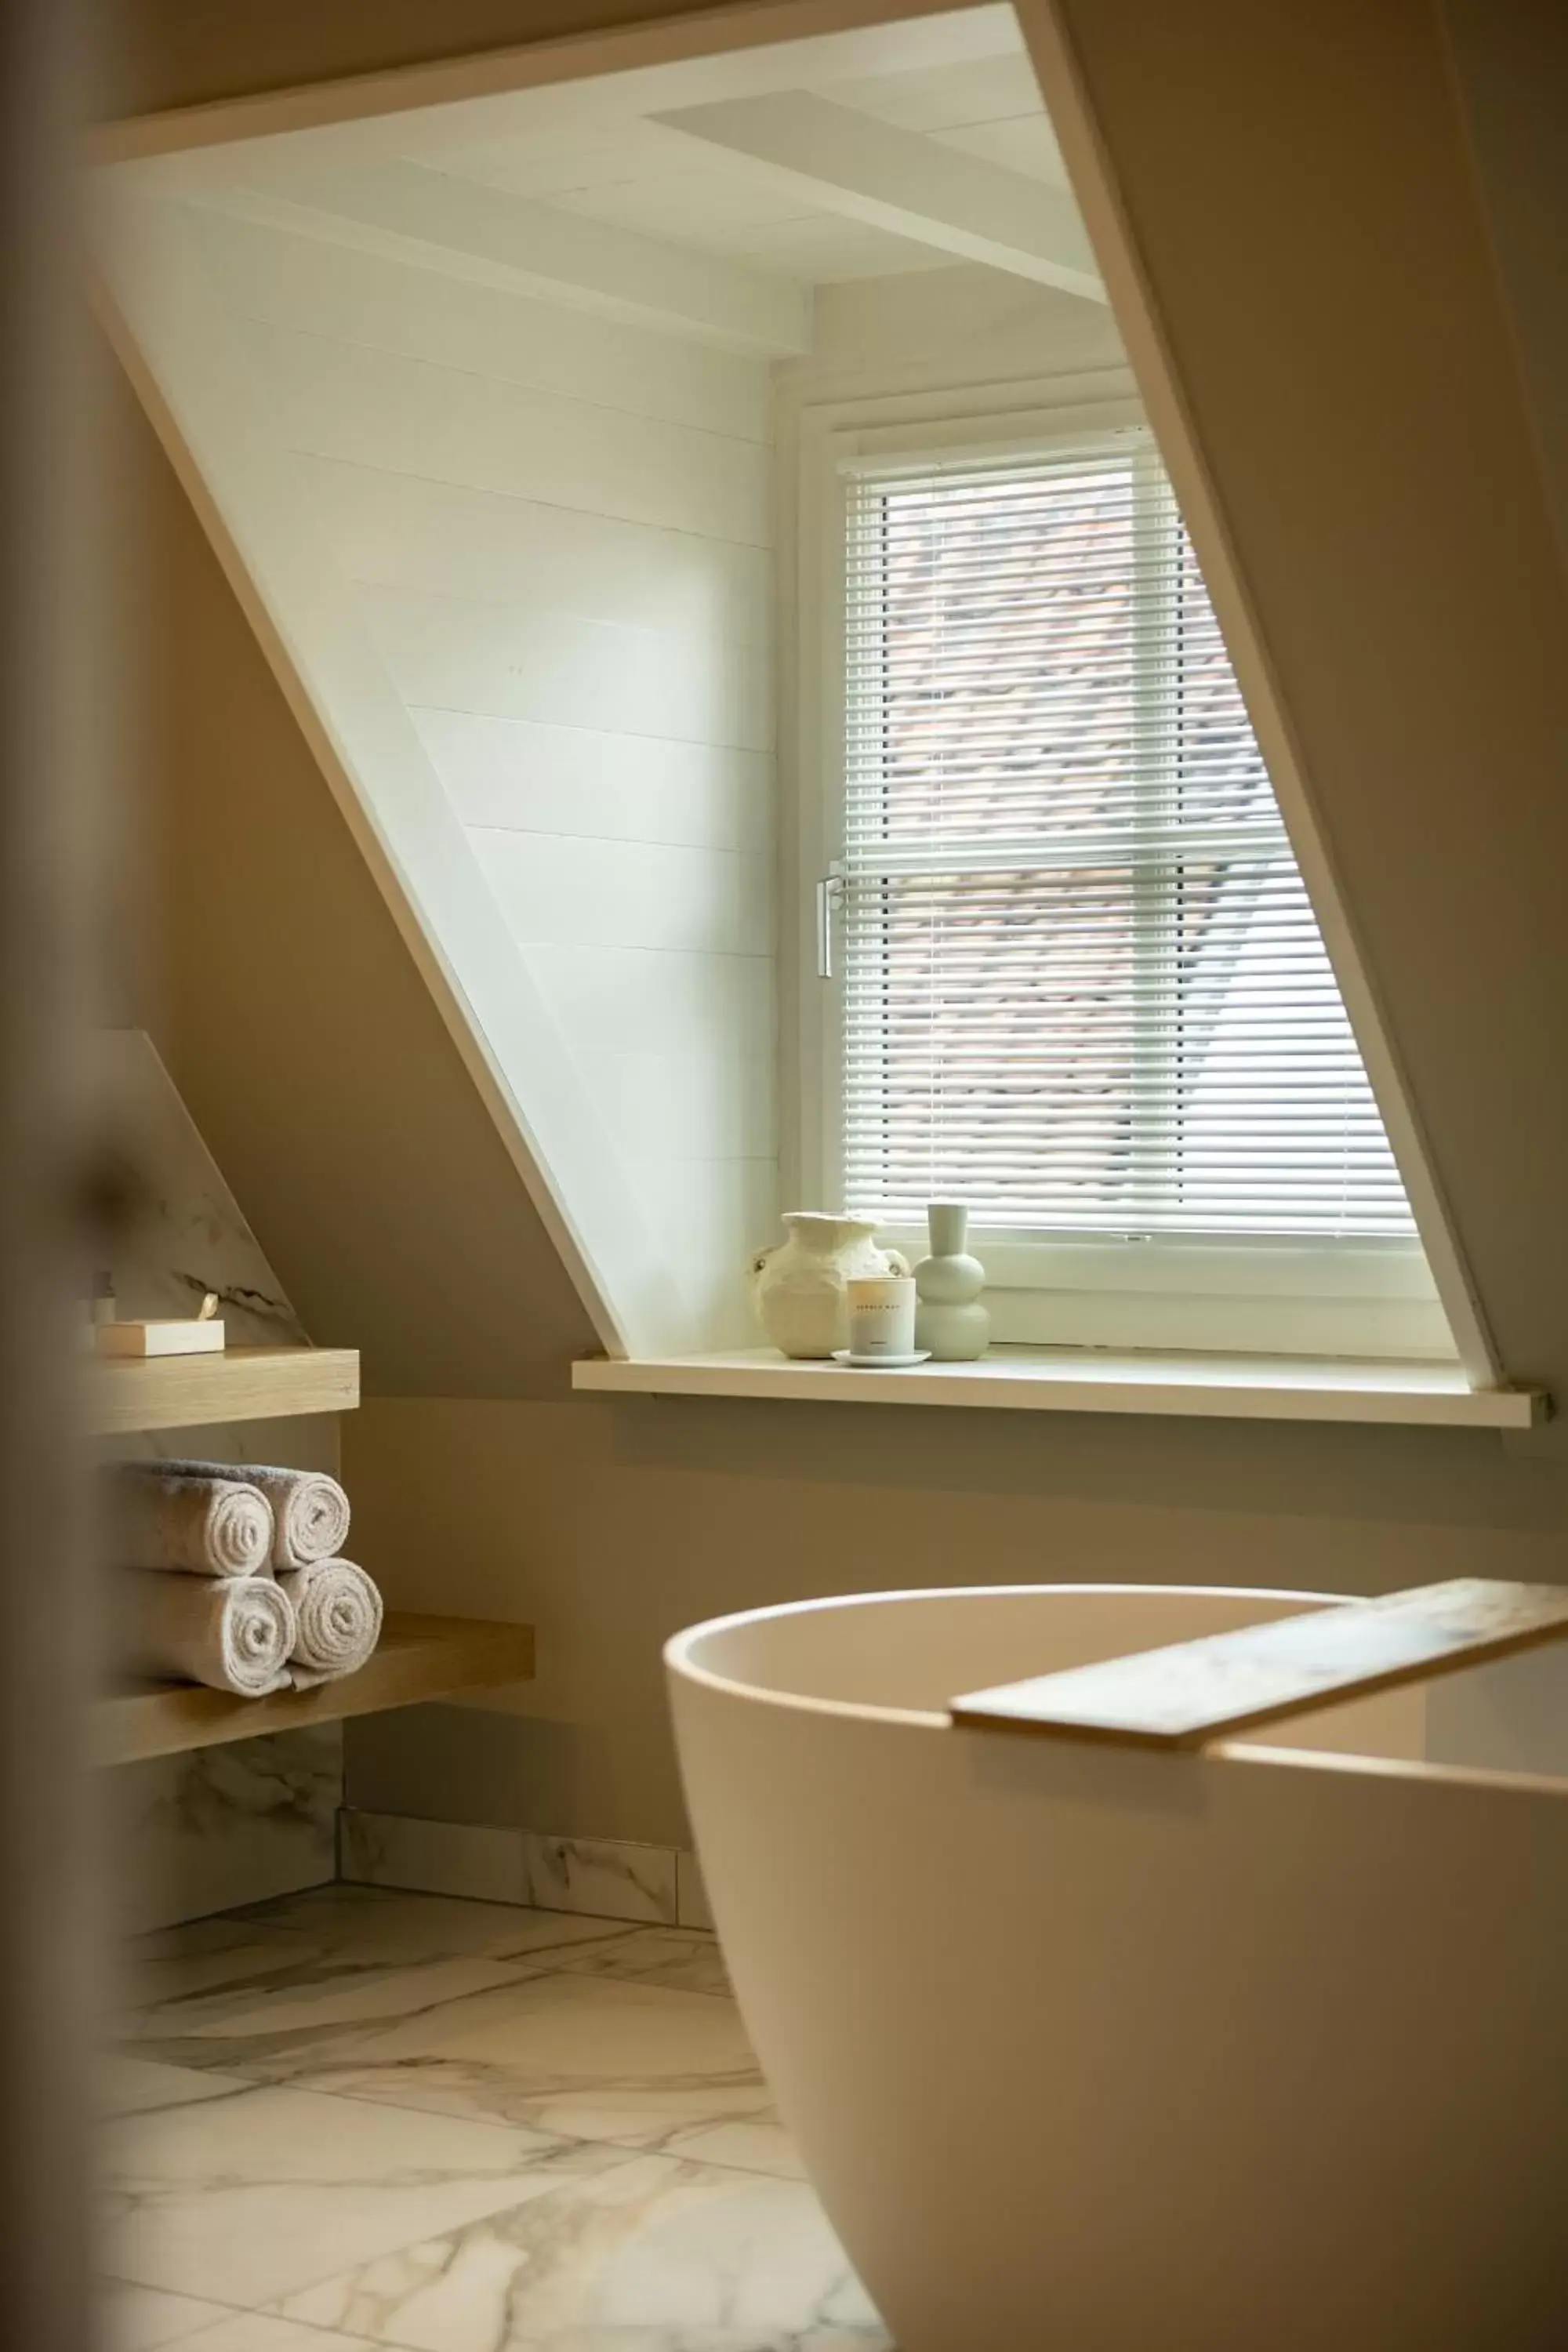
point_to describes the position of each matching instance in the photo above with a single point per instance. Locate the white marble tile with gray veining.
(687, 1959)
(144, 2319)
(693, 1909)
(245, 2199)
(468, 1859)
(178, 1230)
(612, 1878)
(228, 1825)
(649, 2256)
(586, 2057)
(136, 2087)
(758, 2145)
(281, 2030)
(269, 1991)
(258, 2331)
(583, 2159)
(336, 1931)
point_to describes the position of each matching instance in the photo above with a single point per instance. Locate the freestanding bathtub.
(1092, 2049)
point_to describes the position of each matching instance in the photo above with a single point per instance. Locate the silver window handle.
(829, 897)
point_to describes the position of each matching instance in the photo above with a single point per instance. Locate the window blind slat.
(1083, 988)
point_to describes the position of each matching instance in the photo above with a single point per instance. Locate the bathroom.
(477, 426)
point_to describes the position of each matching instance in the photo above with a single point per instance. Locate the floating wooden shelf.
(242, 1384)
(418, 1658)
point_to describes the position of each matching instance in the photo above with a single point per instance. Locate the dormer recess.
(705, 520)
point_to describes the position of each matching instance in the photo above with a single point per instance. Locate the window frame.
(1270, 1294)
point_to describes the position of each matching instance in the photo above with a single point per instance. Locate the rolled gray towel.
(232, 1632)
(310, 1510)
(337, 1609)
(207, 1525)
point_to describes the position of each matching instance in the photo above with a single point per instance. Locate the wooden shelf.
(242, 1384)
(1190, 1694)
(418, 1658)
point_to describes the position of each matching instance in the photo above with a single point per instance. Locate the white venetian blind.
(1083, 987)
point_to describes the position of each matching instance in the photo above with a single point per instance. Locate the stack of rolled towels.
(235, 1579)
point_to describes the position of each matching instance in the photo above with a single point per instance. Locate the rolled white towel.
(310, 1510)
(214, 1524)
(338, 1611)
(232, 1632)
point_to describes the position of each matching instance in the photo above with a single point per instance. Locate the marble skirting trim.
(604, 1878)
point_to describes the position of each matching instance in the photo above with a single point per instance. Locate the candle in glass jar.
(881, 1314)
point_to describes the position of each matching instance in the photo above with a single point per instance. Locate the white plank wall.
(558, 529)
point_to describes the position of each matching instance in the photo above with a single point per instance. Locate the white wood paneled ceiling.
(708, 196)
(653, 177)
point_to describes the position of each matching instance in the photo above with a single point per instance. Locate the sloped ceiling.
(1299, 188)
(292, 1016)
(1512, 72)
(162, 54)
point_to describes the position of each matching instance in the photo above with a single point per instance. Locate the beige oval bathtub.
(1094, 2050)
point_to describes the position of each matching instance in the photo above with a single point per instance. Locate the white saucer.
(880, 1363)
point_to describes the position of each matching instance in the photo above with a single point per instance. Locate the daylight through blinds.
(1083, 987)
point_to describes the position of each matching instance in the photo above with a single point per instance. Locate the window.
(1077, 982)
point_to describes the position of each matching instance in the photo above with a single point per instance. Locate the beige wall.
(610, 1524)
(1301, 185)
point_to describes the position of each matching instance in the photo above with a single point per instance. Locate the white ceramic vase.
(949, 1318)
(798, 1285)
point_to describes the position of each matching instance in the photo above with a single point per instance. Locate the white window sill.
(1043, 1379)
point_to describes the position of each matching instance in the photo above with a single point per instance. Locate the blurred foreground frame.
(49, 1924)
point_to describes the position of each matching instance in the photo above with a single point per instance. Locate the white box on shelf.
(184, 1336)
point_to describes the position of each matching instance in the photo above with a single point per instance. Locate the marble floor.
(355, 2117)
